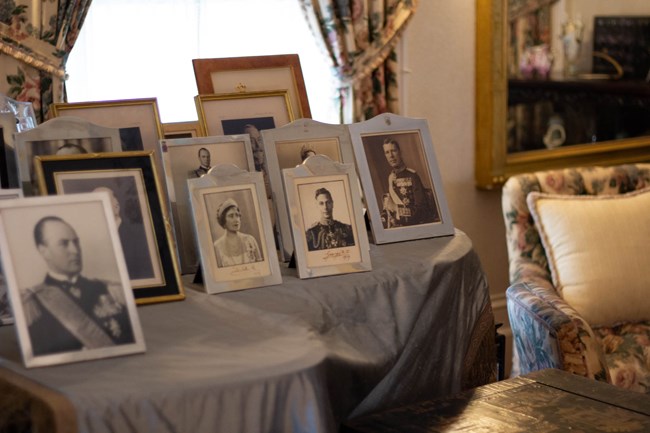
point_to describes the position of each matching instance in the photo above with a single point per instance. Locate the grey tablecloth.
(299, 357)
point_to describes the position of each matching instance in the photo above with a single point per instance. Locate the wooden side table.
(544, 401)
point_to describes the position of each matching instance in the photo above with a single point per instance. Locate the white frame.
(62, 129)
(416, 133)
(226, 180)
(315, 172)
(77, 210)
(322, 137)
(174, 153)
(6, 318)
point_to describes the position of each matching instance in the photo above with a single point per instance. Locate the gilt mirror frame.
(493, 165)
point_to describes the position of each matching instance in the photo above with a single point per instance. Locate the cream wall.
(438, 85)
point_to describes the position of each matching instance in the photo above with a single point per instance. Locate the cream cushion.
(598, 250)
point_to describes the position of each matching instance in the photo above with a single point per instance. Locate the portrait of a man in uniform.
(327, 233)
(69, 311)
(204, 163)
(407, 202)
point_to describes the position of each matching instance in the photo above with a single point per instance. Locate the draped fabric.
(36, 37)
(360, 37)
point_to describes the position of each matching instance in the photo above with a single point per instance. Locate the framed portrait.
(67, 279)
(138, 120)
(399, 174)
(144, 229)
(326, 215)
(6, 318)
(60, 136)
(289, 146)
(174, 130)
(254, 74)
(189, 158)
(233, 228)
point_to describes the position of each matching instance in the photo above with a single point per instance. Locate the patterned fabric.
(547, 331)
(360, 36)
(34, 47)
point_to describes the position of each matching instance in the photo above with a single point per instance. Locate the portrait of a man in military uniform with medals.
(75, 299)
(328, 233)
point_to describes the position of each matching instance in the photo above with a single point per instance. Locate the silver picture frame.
(6, 318)
(287, 147)
(182, 161)
(60, 136)
(326, 213)
(72, 303)
(399, 173)
(234, 230)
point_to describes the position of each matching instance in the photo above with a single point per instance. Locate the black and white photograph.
(132, 216)
(138, 207)
(61, 136)
(6, 318)
(400, 179)
(192, 158)
(326, 218)
(402, 183)
(67, 279)
(233, 229)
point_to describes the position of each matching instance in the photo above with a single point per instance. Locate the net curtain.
(36, 37)
(360, 38)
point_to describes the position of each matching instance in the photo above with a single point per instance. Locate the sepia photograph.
(234, 230)
(67, 279)
(326, 218)
(192, 158)
(400, 178)
(139, 208)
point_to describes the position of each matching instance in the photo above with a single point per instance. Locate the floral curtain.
(36, 37)
(360, 37)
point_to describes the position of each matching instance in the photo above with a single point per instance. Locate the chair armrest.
(549, 333)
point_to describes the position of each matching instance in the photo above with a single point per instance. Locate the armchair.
(548, 332)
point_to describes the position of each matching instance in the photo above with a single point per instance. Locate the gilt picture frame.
(329, 232)
(399, 173)
(182, 160)
(287, 147)
(131, 179)
(104, 322)
(254, 74)
(233, 229)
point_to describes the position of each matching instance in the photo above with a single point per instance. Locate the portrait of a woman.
(234, 247)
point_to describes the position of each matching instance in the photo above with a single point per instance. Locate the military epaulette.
(314, 225)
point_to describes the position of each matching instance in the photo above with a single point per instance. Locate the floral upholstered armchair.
(548, 331)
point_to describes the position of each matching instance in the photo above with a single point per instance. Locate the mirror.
(560, 83)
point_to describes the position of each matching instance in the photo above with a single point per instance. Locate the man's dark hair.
(320, 191)
(38, 228)
(74, 146)
(394, 142)
(203, 148)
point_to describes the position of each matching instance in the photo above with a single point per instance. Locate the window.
(144, 48)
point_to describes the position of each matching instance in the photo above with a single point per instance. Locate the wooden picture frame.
(177, 130)
(326, 215)
(71, 303)
(180, 160)
(254, 74)
(400, 177)
(287, 147)
(229, 193)
(139, 206)
(64, 136)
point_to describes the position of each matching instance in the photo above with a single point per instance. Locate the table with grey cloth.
(298, 357)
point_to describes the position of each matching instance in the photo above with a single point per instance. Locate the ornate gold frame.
(493, 165)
